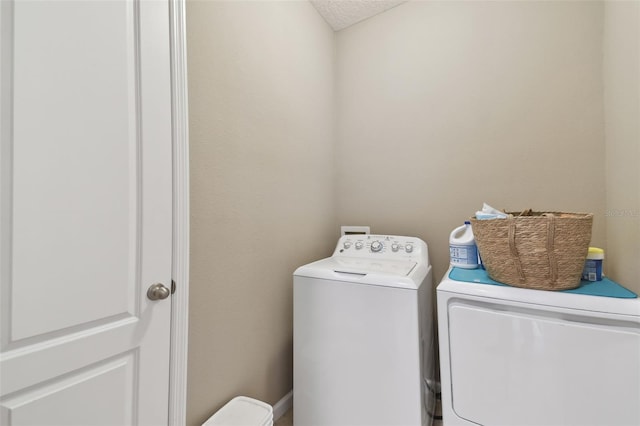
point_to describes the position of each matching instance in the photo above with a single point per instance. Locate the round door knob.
(158, 292)
(376, 246)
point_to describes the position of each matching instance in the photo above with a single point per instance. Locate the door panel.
(86, 211)
(76, 164)
(72, 400)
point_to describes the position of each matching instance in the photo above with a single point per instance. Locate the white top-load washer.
(363, 335)
(512, 356)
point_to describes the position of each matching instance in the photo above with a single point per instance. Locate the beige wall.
(445, 105)
(439, 106)
(622, 118)
(261, 105)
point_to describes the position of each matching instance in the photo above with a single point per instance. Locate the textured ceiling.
(342, 13)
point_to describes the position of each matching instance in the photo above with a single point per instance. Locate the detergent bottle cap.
(595, 253)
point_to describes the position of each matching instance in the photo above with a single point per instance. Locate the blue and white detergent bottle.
(462, 247)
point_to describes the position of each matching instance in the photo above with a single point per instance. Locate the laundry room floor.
(286, 419)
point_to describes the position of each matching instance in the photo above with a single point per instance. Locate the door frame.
(180, 249)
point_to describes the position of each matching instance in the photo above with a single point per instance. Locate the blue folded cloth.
(605, 288)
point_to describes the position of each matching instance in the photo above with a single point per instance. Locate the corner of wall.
(621, 71)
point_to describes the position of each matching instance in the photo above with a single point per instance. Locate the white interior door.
(85, 212)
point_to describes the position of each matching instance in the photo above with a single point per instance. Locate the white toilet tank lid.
(242, 411)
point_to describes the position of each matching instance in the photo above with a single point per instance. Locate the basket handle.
(551, 232)
(514, 251)
(553, 262)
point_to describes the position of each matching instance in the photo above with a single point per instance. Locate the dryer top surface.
(562, 300)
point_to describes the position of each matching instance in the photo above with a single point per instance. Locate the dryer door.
(520, 364)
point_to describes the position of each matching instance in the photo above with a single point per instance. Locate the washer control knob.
(376, 246)
(347, 244)
(359, 245)
(408, 248)
(394, 247)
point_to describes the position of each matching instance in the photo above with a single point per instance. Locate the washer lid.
(381, 272)
(354, 265)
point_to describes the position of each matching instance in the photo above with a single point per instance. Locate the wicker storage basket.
(544, 251)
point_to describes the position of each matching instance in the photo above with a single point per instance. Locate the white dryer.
(512, 356)
(363, 349)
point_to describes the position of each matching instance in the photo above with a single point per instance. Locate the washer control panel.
(380, 246)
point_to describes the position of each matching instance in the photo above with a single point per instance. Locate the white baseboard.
(282, 406)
